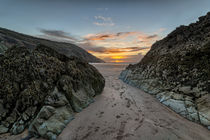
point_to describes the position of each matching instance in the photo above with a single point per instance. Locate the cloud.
(98, 36)
(103, 21)
(57, 35)
(111, 47)
(115, 50)
(102, 9)
(103, 24)
(120, 46)
(119, 53)
(152, 36)
(148, 40)
(118, 35)
(122, 39)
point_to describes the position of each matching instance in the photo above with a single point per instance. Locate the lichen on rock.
(177, 71)
(42, 89)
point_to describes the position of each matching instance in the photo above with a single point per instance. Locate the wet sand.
(123, 112)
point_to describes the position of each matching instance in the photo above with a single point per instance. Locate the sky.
(113, 30)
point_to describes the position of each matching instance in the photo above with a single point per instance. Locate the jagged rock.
(177, 105)
(17, 127)
(203, 105)
(41, 90)
(3, 129)
(51, 121)
(176, 71)
(185, 89)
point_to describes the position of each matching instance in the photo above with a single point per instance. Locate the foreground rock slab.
(42, 89)
(177, 71)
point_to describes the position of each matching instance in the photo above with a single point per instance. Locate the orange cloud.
(117, 50)
(113, 47)
(122, 39)
(120, 35)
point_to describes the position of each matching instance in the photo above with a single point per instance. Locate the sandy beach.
(123, 112)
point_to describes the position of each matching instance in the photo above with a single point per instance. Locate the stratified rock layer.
(42, 89)
(177, 71)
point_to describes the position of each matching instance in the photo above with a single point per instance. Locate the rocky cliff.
(10, 38)
(42, 89)
(177, 71)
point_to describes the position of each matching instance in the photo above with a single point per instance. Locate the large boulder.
(177, 71)
(42, 89)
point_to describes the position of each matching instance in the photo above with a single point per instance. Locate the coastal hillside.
(177, 71)
(42, 89)
(10, 38)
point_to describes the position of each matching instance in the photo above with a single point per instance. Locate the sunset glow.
(110, 30)
(117, 57)
(120, 47)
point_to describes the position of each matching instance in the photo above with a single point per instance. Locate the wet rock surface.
(42, 89)
(176, 71)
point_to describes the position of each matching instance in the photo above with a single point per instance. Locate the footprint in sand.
(100, 114)
(129, 102)
(97, 128)
(114, 105)
(140, 123)
(163, 123)
(120, 134)
(118, 116)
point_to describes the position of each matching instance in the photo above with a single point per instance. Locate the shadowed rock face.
(41, 89)
(10, 38)
(177, 71)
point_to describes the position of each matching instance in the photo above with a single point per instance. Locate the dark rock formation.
(41, 90)
(10, 38)
(177, 71)
(3, 48)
